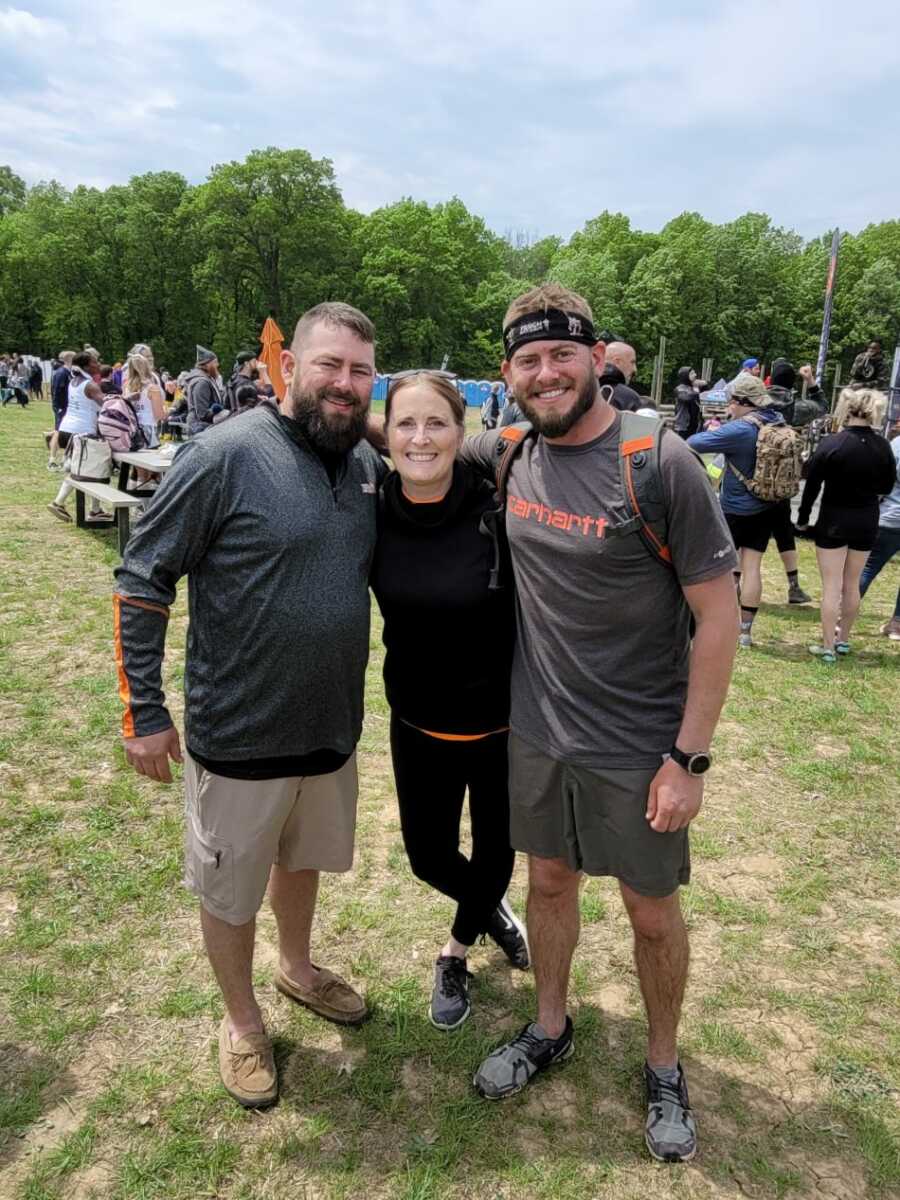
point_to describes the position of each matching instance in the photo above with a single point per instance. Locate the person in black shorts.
(751, 521)
(856, 467)
(449, 639)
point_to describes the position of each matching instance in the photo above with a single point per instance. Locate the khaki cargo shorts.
(237, 828)
(594, 820)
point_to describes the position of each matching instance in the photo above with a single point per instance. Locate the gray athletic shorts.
(594, 820)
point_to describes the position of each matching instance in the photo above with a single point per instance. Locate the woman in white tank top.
(81, 415)
(141, 387)
(82, 411)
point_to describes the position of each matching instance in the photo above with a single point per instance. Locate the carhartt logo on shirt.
(556, 518)
(368, 488)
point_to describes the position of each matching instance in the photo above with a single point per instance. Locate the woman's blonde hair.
(138, 374)
(862, 404)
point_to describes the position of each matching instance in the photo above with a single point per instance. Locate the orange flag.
(272, 340)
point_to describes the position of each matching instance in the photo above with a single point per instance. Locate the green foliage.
(158, 260)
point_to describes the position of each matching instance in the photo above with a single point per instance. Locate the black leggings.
(431, 777)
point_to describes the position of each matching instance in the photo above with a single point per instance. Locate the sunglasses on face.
(433, 371)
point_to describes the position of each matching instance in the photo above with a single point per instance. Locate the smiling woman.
(449, 641)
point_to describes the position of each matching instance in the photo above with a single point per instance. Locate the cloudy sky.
(538, 115)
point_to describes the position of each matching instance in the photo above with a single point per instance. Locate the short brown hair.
(336, 314)
(444, 387)
(546, 296)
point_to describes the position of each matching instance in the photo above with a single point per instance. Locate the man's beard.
(554, 424)
(333, 433)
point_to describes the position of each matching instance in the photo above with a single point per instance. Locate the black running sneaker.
(450, 997)
(514, 1065)
(671, 1134)
(508, 932)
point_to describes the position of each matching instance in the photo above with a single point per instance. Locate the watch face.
(699, 764)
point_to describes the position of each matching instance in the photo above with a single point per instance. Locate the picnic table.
(156, 461)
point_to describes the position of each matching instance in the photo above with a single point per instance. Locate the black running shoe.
(514, 1065)
(450, 997)
(508, 932)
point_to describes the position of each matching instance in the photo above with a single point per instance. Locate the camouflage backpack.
(779, 462)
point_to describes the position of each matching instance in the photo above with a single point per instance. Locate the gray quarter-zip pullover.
(278, 562)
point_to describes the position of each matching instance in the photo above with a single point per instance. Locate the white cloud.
(537, 118)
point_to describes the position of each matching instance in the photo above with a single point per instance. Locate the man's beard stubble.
(554, 425)
(338, 437)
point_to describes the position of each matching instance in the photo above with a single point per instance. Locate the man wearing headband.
(613, 706)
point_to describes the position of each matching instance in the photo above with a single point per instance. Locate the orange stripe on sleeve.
(124, 689)
(160, 608)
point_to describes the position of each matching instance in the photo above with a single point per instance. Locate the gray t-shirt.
(601, 665)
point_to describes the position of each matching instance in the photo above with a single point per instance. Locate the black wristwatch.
(695, 762)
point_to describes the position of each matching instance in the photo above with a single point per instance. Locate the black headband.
(552, 325)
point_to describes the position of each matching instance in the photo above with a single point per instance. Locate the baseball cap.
(748, 389)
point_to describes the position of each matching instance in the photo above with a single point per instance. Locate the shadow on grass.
(800, 612)
(29, 1087)
(398, 1100)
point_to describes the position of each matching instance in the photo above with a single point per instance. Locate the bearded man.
(273, 520)
(614, 703)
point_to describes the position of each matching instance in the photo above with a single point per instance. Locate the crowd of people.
(562, 595)
(97, 400)
(21, 379)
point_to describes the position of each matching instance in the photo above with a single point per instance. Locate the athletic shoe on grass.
(450, 996)
(842, 647)
(796, 595)
(511, 1067)
(670, 1132)
(825, 656)
(508, 932)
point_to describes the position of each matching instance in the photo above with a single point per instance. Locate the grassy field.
(108, 1080)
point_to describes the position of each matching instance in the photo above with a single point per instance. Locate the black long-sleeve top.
(856, 466)
(449, 638)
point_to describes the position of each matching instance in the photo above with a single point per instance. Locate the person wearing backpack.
(82, 411)
(762, 458)
(856, 467)
(613, 705)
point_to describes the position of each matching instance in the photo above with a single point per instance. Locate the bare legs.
(751, 578)
(789, 559)
(660, 951)
(230, 947)
(553, 924)
(831, 568)
(661, 955)
(230, 951)
(292, 895)
(850, 597)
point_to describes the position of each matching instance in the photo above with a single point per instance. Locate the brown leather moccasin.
(331, 997)
(247, 1067)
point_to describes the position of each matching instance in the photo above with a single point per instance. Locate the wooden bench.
(120, 502)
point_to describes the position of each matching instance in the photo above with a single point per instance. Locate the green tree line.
(163, 261)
